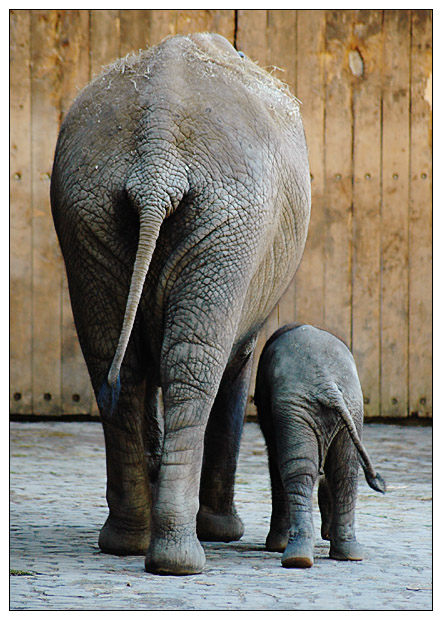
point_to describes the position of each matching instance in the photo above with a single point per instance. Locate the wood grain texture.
(251, 34)
(394, 218)
(338, 175)
(104, 38)
(420, 217)
(20, 215)
(310, 89)
(364, 81)
(46, 257)
(251, 39)
(135, 30)
(163, 24)
(281, 36)
(367, 130)
(76, 391)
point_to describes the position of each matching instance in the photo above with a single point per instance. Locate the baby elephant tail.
(333, 399)
(377, 483)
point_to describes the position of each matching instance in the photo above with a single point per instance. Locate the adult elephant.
(181, 197)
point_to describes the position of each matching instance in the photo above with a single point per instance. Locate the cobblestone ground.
(58, 506)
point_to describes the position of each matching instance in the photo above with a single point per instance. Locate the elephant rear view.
(310, 409)
(181, 198)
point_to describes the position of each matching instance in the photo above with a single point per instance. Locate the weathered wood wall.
(364, 80)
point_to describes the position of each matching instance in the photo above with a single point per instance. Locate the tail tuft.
(377, 483)
(108, 396)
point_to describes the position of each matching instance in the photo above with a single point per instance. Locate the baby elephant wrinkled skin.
(310, 409)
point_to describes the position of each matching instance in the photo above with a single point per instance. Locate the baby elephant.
(310, 409)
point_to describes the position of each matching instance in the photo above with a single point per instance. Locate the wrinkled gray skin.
(181, 198)
(310, 409)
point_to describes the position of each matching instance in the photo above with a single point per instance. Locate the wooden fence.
(364, 80)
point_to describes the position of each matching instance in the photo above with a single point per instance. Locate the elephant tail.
(333, 399)
(150, 224)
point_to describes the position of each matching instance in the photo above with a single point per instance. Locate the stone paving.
(57, 481)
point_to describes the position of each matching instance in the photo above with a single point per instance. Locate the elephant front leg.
(341, 471)
(217, 518)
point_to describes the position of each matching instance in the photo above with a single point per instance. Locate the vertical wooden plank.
(47, 264)
(207, 20)
(192, 20)
(222, 21)
(394, 222)
(104, 44)
(420, 224)
(163, 24)
(251, 38)
(365, 62)
(309, 280)
(76, 388)
(281, 60)
(281, 45)
(20, 215)
(73, 55)
(251, 34)
(104, 38)
(135, 25)
(281, 36)
(338, 175)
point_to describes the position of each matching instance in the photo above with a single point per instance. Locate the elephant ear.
(150, 224)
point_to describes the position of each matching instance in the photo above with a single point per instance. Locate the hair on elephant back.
(181, 199)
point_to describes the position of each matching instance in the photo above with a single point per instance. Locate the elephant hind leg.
(326, 507)
(299, 487)
(341, 471)
(298, 458)
(278, 535)
(188, 398)
(97, 310)
(217, 518)
(129, 467)
(127, 528)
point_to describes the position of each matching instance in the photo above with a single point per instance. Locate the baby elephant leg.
(298, 463)
(341, 471)
(278, 535)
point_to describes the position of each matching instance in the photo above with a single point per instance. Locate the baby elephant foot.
(170, 556)
(346, 550)
(118, 538)
(277, 540)
(299, 552)
(217, 527)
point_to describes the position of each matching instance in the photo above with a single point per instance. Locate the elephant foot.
(216, 527)
(298, 553)
(117, 539)
(166, 556)
(346, 550)
(277, 540)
